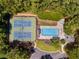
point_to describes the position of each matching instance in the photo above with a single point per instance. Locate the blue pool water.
(50, 32)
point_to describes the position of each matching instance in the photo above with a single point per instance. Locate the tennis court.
(23, 28)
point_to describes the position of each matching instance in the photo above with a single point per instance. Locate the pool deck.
(58, 25)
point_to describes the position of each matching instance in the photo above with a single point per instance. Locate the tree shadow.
(7, 27)
(23, 46)
(3, 58)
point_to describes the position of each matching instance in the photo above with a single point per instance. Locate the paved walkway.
(63, 46)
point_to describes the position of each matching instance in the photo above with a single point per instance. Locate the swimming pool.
(50, 31)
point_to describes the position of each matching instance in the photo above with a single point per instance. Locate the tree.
(16, 54)
(71, 10)
(72, 49)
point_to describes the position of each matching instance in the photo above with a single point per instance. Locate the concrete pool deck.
(58, 25)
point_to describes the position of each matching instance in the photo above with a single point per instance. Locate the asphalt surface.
(38, 54)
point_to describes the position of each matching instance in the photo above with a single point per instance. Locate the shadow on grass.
(3, 58)
(23, 46)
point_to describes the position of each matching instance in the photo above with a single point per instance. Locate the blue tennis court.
(50, 32)
(23, 28)
(22, 35)
(22, 23)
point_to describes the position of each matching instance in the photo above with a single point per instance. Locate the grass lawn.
(2, 55)
(46, 47)
(52, 15)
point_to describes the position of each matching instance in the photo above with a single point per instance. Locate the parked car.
(47, 56)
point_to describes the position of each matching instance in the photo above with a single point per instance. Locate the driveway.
(69, 38)
(38, 54)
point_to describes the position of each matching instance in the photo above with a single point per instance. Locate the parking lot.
(38, 54)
